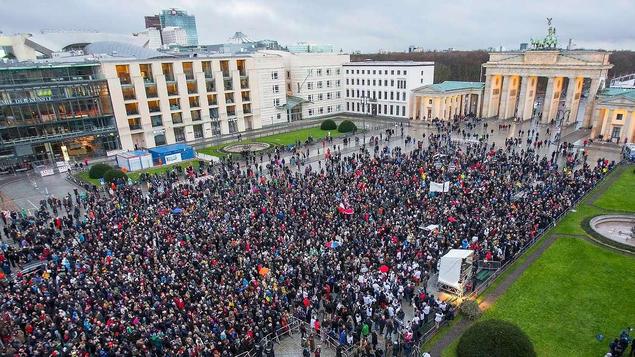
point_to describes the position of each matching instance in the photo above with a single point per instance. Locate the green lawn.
(621, 196)
(84, 177)
(134, 176)
(576, 289)
(287, 138)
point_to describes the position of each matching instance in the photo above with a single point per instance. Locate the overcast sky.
(366, 25)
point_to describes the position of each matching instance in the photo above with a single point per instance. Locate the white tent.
(455, 267)
(134, 160)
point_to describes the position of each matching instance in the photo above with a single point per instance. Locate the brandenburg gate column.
(574, 90)
(504, 96)
(509, 102)
(487, 96)
(552, 99)
(588, 110)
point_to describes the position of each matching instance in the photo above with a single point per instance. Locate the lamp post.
(562, 116)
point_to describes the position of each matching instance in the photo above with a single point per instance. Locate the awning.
(293, 101)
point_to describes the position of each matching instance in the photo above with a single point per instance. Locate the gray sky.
(366, 25)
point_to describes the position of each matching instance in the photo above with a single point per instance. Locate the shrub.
(97, 171)
(346, 126)
(470, 310)
(114, 174)
(495, 338)
(328, 124)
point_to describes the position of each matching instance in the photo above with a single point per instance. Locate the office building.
(153, 22)
(159, 101)
(314, 83)
(305, 47)
(174, 36)
(383, 87)
(54, 112)
(179, 18)
(151, 37)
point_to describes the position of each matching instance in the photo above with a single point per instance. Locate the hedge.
(113, 174)
(347, 126)
(97, 171)
(328, 124)
(471, 310)
(495, 338)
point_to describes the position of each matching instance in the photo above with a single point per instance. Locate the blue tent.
(168, 154)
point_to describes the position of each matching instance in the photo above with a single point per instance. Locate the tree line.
(466, 65)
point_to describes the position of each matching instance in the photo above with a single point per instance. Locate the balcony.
(228, 84)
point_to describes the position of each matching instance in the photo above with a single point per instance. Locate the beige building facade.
(169, 100)
(614, 115)
(512, 84)
(446, 100)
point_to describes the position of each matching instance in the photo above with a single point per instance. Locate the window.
(398, 72)
(347, 93)
(403, 96)
(358, 71)
(430, 101)
(379, 109)
(338, 95)
(319, 71)
(358, 93)
(363, 82)
(338, 108)
(278, 116)
(288, 74)
(328, 71)
(421, 80)
(337, 83)
(309, 85)
(215, 127)
(348, 107)
(422, 73)
(385, 71)
(233, 126)
(321, 110)
(357, 107)
(363, 71)
(309, 71)
(392, 82)
(319, 84)
(337, 71)
(156, 121)
(276, 102)
(374, 71)
(328, 84)
(328, 95)
(619, 116)
(391, 96)
(405, 72)
(198, 131)
(392, 72)
(357, 81)
(385, 94)
(329, 109)
(403, 111)
(385, 83)
(276, 88)
(309, 97)
(379, 94)
(346, 81)
(391, 111)
(179, 134)
(310, 112)
(320, 96)
(159, 139)
(274, 75)
(347, 71)
(374, 82)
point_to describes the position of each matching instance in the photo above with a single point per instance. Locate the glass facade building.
(180, 18)
(54, 112)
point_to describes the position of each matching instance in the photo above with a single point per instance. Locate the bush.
(347, 126)
(495, 338)
(97, 171)
(328, 124)
(470, 310)
(114, 174)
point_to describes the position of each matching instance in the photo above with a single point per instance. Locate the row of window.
(318, 84)
(329, 109)
(319, 72)
(388, 109)
(320, 96)
(197, 129)
(401, 83)
(356, 93)
(367, 71)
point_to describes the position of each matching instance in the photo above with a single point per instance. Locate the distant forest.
(466, 65)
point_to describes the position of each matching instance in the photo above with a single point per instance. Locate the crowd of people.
(210, 264)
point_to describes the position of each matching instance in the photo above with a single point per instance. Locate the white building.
(314, 83)
(151, 38)
(173, 35)
(164, 100)
(384, 87)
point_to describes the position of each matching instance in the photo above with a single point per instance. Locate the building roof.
(121, 49)
(618, 92)
(57, 41)
(449, 86)
(389, 63)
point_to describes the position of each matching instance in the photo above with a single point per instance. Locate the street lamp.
(366, 100)
(562, 116)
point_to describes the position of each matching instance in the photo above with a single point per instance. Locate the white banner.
(440, 186)
(171, 159)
